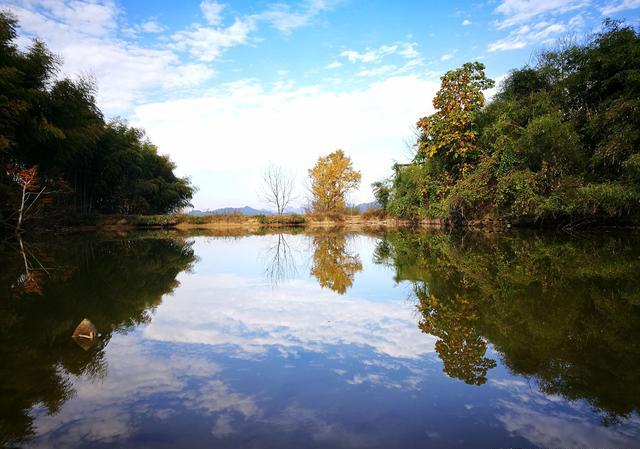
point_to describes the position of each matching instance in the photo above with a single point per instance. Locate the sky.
(226, 88)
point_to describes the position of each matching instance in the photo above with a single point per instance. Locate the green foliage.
(416, 192)
(90, 165)
(608, 200)
(516, 194)
(548, 139)
(382, 193)
(559, 143)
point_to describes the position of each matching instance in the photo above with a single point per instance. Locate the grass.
(184, 222)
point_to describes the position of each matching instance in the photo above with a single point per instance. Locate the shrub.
(374, 213)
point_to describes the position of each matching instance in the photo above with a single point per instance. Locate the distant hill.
(248, 210)
(363, 207)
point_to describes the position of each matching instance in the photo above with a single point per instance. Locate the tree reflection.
(563, 311)
(281, 264)
(334, 265)
(459, 346)
(114, 283)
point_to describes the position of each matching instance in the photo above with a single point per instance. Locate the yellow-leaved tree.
(331, 178)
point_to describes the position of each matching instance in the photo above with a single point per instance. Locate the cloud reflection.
(545, 420)
(110, 411)
(247, 317)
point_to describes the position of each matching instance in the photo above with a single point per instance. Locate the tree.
(55, 124)
(558, 144)
(30, 191)
(449, 131)
(331, 178)
(382, 193)
(277, 187)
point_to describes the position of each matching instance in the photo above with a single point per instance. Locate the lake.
(325, 339)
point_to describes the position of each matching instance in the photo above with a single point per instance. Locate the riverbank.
(254, 224)
(183, 222)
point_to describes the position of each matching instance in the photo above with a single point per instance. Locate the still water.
(292, 340)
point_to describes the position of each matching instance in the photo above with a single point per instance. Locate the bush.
(374, 213)
(325, 216)
(608, 200)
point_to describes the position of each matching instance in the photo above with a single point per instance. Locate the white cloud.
(151, 26)
(378, 71)
(521, 11)
(466, 22)
(619, 6)
(204, 135)
(334, 65)
(447, 56)
(207, 43)
(283, 18)
(507, 44)
(369, 55)
(409, 50)
(540, 33)
(88, 35)
(576, 22)
(212, 12)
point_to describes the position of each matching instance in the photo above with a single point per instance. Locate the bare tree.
(278, 187)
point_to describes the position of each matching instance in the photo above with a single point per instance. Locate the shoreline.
(255, 224)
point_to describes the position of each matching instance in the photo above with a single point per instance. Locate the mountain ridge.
(251, 211)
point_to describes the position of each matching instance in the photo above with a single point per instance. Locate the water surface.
(404, 340)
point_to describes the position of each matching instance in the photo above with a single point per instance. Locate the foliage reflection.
(561, 310)
(116, 284)
(334, 264)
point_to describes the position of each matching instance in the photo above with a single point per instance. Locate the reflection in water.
(29, 281)
(114, 283)
(460, 347)
(223, 358)
(565, 312)
(281, 262)
(334, 265)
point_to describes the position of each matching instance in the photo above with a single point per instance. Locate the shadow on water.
(46, 289)
(564, 312)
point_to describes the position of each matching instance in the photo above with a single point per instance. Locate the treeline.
(59, 155)
(559, 143)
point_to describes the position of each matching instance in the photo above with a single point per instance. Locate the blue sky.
(227, 87)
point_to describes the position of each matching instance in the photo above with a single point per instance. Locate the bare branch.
(278, 186)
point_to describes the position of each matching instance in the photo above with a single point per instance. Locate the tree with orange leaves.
(449, 132)
(30, 190)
